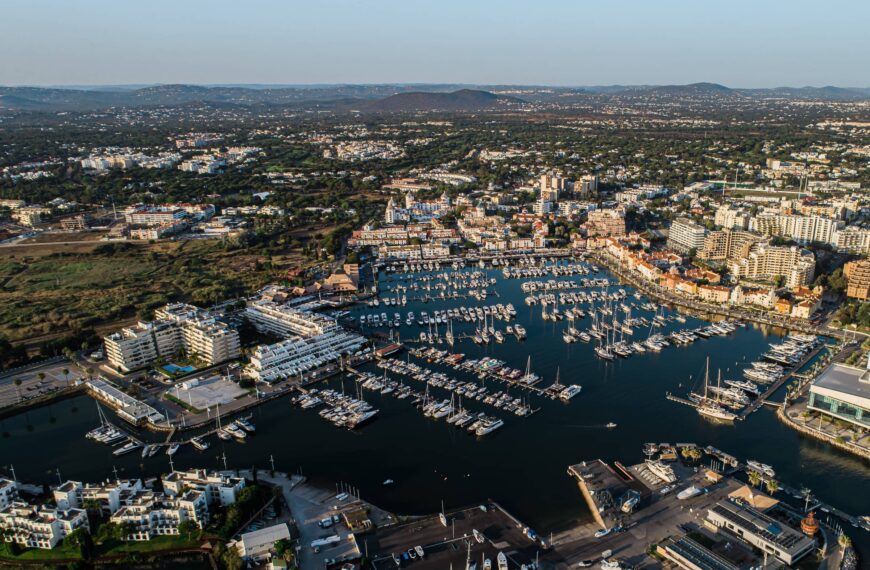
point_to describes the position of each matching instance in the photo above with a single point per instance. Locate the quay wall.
(842, 445)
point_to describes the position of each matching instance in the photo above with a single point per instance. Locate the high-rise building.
(731, 218)
(685, 235)
(858, 275)
(803, 229)
(795, 264)
(586, 185)
(726, 245)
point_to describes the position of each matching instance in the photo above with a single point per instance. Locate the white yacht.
(662, 471)
(569, 392)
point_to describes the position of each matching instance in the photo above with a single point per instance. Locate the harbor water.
(522, 465)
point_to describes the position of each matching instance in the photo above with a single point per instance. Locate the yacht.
(172, 449)
(502, 561)
(127, 448)
(762, 468)
(569, 392)
(488, 425)
(519, 331)
(199, 443)
(662, 471)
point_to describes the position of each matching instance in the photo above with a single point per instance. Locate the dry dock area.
(451, 545)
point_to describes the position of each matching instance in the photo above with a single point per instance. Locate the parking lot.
(453, 544)
(36, 381)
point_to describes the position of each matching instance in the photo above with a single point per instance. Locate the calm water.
(523, 465)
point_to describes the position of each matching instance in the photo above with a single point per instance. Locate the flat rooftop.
(847, 380)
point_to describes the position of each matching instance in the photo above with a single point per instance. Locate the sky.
(738, 43)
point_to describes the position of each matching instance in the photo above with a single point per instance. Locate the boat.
(501, 559)
(488, 426)
(246, 425)
(662, 471)
(610, 425)
(199, 443)
(127, 448)
(146, 450)
(388, 482)
(688, 493)
(172, 449)
(478, 536)
(762, 468)
(443, 518)
(712, 408)
(602, 533)
(569, 392)
(419, 550)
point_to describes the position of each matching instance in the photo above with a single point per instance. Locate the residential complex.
(176, 326)
(767, 262)
(40, 527)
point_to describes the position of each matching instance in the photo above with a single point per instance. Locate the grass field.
(107, 548)
(51, 291)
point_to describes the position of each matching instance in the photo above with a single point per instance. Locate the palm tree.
(65, 373)
(754, 478)
(844, 541)
(18, 387)
(41, 376)
(772, 486)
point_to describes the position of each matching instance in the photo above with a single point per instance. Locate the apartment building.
(767, 262)
(111, 495)
(8, 492)
(853, 240)
(300, 355)
(39, 527)
(803, 229)
(202, 335)
(685, 235)
(285, 321)
(175, 326)
(858, 275)
(586, 185)
(731, 218)
(154, 215)
(219, 488)
(605, 223)
(155, 514)
(726, 245)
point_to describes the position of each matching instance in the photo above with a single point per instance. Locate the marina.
(627, 393)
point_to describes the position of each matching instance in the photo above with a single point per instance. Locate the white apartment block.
(176, 326)
(765, 262)
(731, 218)
(153, 216)
(686, 235)
(154, 514)
(218, 488)
(853, 240)
(110, 494)
(803, 229)
(39, 527)
(285, 321)
(297, 356)
(8, 492)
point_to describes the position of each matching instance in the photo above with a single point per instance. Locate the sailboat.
(713, 409)
(449, 334)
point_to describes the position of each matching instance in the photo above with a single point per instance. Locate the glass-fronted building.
(843, 392)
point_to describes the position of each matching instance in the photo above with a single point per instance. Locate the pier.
(762, 399)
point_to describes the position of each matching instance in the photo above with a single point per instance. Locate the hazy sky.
(758, 43)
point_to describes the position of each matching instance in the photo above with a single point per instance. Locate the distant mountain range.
(461, 100)
(381, 98)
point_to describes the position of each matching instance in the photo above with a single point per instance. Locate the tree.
(189, 529)
(81, 539)
(231, 559)
(772, 486)
(283, 547)
(754, 478)
(65, 373)
(18, 387)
